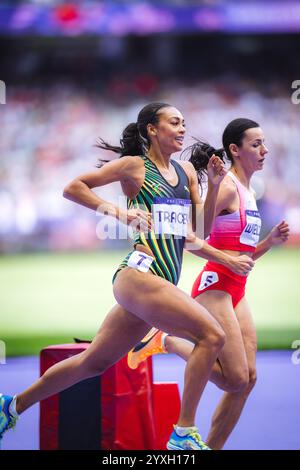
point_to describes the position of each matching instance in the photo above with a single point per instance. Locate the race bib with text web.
(250, 234)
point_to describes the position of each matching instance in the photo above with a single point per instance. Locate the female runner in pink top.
(236, 231)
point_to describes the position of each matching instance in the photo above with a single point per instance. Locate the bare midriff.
(239, 253)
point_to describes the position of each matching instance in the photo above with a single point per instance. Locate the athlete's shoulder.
(227, 192)
(228, 185)
(130, 164)
(192, 177)
(131, 160)
(188, 169)
(186, 165)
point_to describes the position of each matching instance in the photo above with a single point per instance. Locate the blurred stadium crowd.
(65, 88)
(47, 137)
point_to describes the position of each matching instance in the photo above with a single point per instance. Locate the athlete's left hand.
(216, 170)
(279, 234)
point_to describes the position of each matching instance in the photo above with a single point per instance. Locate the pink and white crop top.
(238, 231)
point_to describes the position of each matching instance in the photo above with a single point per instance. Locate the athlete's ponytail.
(200, 153)
(135, 140)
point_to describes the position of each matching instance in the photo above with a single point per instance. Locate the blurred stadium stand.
(64, 92)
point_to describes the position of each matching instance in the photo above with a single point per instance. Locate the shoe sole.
(172, 447)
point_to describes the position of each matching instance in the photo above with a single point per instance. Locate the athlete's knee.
(237, 381)
(215, 337)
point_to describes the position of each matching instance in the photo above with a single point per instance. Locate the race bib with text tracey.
(140, 260)
(250, 234)
(171, 216)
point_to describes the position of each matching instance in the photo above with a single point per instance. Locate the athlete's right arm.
(123, 170)
(241, 265)
(226, 196)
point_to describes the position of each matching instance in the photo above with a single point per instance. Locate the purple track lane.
(269, 421)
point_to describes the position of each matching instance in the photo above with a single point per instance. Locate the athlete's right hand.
(241, 265)
(216, 170)
(137, 219)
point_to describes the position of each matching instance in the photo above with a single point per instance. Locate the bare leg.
(226, 417)
(179, 346)
(232, 403)
(101, 354)
(143, 300)
(176, 313)
(184, 348)
(230, 371)
(230, 408)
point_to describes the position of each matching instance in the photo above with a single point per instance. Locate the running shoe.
(151, 344)
(7, 420)
(191, 441)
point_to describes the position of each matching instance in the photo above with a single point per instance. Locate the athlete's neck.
(241, 174)
(160, 159)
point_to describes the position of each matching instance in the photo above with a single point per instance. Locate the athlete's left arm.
(203, 213)
(278, 235)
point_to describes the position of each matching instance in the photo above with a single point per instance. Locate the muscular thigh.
(119, 332)
(233, 358)
(163, 305)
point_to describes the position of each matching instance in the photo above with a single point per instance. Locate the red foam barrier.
(121, 409)
(166, 406)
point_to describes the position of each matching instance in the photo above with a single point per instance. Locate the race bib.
(171, 216)
(208, 278)
(140, 261)
(250, 234)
